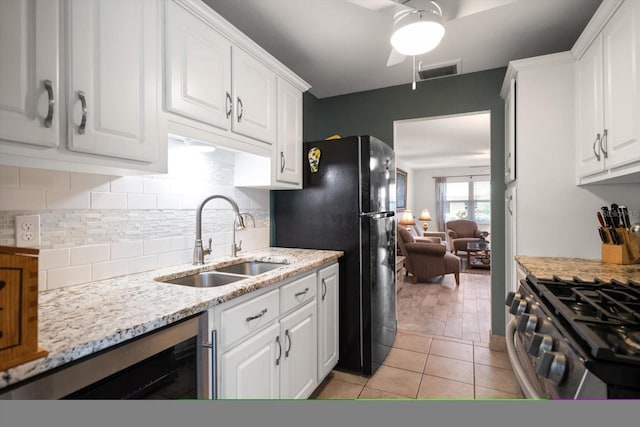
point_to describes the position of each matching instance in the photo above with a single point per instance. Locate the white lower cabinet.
(269, 341)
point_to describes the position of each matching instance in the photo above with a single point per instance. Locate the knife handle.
(607, 216)
(603, 235)
(601, 220)
(614, 236)
(625, 217)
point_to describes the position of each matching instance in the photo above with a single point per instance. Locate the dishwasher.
(167, 363)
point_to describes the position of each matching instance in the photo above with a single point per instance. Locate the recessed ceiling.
(443, 142)
(341, 47)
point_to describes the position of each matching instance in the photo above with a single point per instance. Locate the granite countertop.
(585, 269)
(79, 320)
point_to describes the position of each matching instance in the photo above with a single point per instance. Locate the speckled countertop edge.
(77, 321)
(585, 269)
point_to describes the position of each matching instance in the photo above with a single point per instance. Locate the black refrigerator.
(348, 203)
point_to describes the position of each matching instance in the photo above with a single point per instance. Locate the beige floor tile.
(496, 378)
(433, 387)
(451, 349)
(487, 393)
(349, 377)
(406, 359)
(397, 381)
(372, 393)
(481, 344)
(435, 327)
(413, 341)
(453, 369)
(458, 340)
(337, 389)
(471, 336)
(485, 356)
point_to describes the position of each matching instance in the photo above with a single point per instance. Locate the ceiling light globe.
(417, 38)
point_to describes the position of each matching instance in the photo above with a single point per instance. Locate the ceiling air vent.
(439, 70)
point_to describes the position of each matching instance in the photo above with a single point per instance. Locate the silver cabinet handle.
(597, 141)
(283, 161)
(228, 104)
(52, 102)
(287, 335)
(240, 108)
(83, 122)
(297, 294)
(603, 144)
(509, 205)
(213, 345)
(324, 289)
(279, 350)
(257, 316)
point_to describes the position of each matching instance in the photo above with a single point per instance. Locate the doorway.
(447, 161)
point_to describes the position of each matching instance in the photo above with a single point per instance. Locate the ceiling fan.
(432, 17)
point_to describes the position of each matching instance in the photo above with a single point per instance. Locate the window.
(468, 199)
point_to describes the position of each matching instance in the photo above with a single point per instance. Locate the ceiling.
(341, 47)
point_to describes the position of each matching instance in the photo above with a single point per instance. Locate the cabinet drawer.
(297, 292)
(243, 319)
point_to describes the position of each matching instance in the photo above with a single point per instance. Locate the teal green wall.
(373, 113)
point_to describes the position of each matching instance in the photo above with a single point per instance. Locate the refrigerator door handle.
(377, 215)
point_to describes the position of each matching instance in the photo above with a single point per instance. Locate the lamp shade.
(407, 218)
(425, 215)
(417, 32)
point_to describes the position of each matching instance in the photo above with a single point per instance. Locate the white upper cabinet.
(608, 97)
(198, 69)
(113, 76)
(29, 90)
(254, 92)
(289, 143)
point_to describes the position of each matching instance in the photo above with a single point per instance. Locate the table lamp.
(407, 219)
(425, 216)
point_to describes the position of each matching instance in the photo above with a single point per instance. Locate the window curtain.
(440, 197)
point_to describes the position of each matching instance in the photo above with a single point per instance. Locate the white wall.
(555, 217)
(424, 190)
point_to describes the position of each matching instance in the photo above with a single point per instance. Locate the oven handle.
(527, 388)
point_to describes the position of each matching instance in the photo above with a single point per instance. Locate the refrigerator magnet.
(314, 158)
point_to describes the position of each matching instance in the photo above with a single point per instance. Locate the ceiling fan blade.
(395, 58)
(374, 4)
(453, 9)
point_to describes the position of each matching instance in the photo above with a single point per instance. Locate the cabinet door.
(589, 110)
(298, 375)
(29, 53)
(254, 89)
(622, 85)
(113, 73)
(289, 144)
(251, 369)
(198, 69)
(328, 321)
(510, 133)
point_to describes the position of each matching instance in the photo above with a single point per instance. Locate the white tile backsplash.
(68, 276)
(54, 258)
(21, 199)
(41, 178)
(108, 201)
(65, 199)
(126, 250)
(8, 176)
(141, 201)
(109, 269)
(89, 254)
(96, 227)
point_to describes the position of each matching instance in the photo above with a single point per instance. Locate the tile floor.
(441, 349)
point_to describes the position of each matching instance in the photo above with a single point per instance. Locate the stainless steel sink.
(206, 279)
(250, 268)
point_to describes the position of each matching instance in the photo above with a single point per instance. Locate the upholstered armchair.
(429, 236)
(463, 231)
(427, 259)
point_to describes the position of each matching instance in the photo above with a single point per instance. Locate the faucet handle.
(208, 250)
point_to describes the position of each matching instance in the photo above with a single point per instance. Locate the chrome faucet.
(198, 251)
(237, 248)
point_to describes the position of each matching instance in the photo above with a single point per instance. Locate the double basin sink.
(224, 275)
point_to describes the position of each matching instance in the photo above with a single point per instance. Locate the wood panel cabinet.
(608, 99)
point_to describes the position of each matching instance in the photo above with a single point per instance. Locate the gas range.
(575, 339)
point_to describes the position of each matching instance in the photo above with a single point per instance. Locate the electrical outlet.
(28, 230)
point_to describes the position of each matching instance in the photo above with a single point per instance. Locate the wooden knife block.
(18, 306)
(626, 253)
